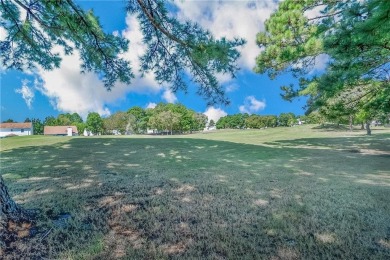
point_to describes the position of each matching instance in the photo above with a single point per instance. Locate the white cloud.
(252, 105)
(169, 96)
(3, 33)
(214, 113)
(231, 19)
(314, 12)
(151, 105)
(71, 91)
(147, 83)
(321, 63)
(231, 87)
(27, 93)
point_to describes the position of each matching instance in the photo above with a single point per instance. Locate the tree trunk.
(368, 128)
(12, 217)
(362, 126)
(350, 123)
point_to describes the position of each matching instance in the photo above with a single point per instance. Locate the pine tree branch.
(36, 18)
(158, 25)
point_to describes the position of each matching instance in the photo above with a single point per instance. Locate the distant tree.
(80, 127)
(313, 118)
(138, 120)
(271, 121)
(50, 121)
(165, 121)
(364, 117)
(94, 123)
(119, 121)
(253, 121)
(75, 118)
(222, 123)
(37, 126)
(64, 119)
(200, 121)
(27, 120)
(258, 121)
(155, 123)
(236, 121)
(286, 119)
(211, 123)
(169, 120)
(186, 117)
(9, 121)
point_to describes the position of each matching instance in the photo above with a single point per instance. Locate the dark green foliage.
(37, 126)
(80, 127)
(199, 122)
(258, 121)
(236, 121)
(140, 119)
(180, 119)
(94, 123)
(286, 119)
(119, 121)
(354, 35)
(75, 118)
(27, 120)
(312, 118)
(9, 120)
(50, 121)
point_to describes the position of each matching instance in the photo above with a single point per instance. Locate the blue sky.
(41, 93)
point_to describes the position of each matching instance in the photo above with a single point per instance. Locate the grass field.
(284, 193)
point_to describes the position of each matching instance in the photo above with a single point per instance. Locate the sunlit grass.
(34, 140)
(296, 194)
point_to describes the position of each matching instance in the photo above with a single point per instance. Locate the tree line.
(178, 119)
(241, 121)
(164, 118)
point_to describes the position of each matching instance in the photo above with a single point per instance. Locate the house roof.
(58, 130)
(15, 125)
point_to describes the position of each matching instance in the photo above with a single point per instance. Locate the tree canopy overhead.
(354, 35)
(174, 48)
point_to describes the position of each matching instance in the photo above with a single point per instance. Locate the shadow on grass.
(188, 198)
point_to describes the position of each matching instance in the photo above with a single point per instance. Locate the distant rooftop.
(16, 125)
(59, 130)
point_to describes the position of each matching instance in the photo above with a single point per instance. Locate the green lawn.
(285, 193)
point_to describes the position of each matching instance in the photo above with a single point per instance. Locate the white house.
(151, 131)
(210, 128)
(11, 129)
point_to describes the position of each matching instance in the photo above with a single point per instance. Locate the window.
(22, 130)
